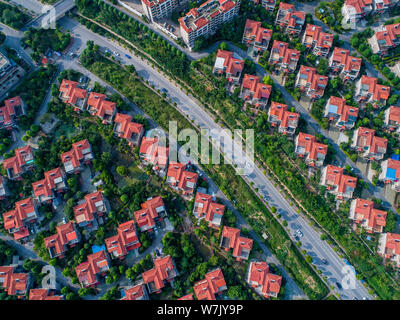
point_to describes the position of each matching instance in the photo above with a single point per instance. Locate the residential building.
(262, 280)
(72, 94)
(137, 292)
(54, 182)
(230, 64)
(255, 92)
(363, 213)
(307, 147)
(187, 297)
(317, 41)
(343, 115)
(164, 270)
(125, 128)
(391, 173)
(181, 179)
(13, 108)
(124, 241)
(90, 271)
(159, 9)
(392, 118)
(354, 10)
(152, 153)
(241, 246)
(289, 20)
(81, 154)
(19, 221)
(206, 208)
(385, 39)
(256, 38)
(3, 188)
(370, 146)
(310, 82)
(97, 105)
(10, 74)
(380, 6)
(43, 294)
(340, 62)
(284, 58)
(66, 236)
(279, 116)
(207, 19)
(15, 284)
(20, 163)
(212, 285)
(389, 247)
(337, 183)
(91, 211)
(151, 215)
(269, 5)
(369, 91)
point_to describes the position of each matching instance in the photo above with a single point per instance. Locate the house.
(386, 39)
(15, 284)
(213, 284)
(43, 294)
(161, 9)
(255, 92)
(256, 38)
(97, 105)
(306, 146)
(289, 20)
(152, 153)
(137, 292)
(262, 280)
(164, 270)
(310, 82)
(230, 64)
(20, 163)
(71, 93)
(392, 118)
(205, 208)
(125, 128)
(317, 41)
(391, 173)
(80, 154)
(151, 215)
(269, 5)
(90, 271)
(279, 116)
(19, 221)
(54, 182)
(284, 58)
(181, 179)
(355, 10)
(241, 246)
(90, 211)
(13, 108)
(340, 62)
(337, 183)
(368, 90)
(66, 236)
(370, 146)
(187, 297)
(343, 115)
(389, 247)
(124, 241)
(3, 188)
(363, 213)
(381, 6)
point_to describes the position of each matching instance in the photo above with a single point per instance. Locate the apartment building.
(254, 92)
(284, 58)
(256, 38)
(363, 213)
(310, 82)
(307, 147)
(279, 117)
(370, 146)
(390, 173)
(159, 9)
(343, 115)
(317, 41)
(230, 64)
(369, 91)
(392, 118)
(290, 20)
(337, 183)
(340, 62)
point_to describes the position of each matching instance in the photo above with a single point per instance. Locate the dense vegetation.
(12, 16)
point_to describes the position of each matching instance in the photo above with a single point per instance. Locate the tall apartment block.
(158, 9)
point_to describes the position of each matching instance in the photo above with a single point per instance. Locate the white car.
(116, 53)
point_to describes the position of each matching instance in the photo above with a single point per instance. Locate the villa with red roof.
(90, 271)
(262, 280)
(386, 39)
(18, 221)
(126, 129)
(206, 208)
(124, 241)
(164, 270)
(310, 82)
(3, 188)
(389, 247)
(212, 285)
(43, 294)
(71, 93)
(152, 153)
(137, 292)
(12, 109)
(80, 155)
(54, 182)
(91, 211)
(67, 235)
(279, 116)
(181, 179)
(368, 90)
(15, 284)
(343, 115)
(231, 239)
(391, 173)
(363, 213)
(337, 183)
(97, 105)
(392, 118)
(318, 41)
(284, 58)
(255, 92)
(369, 145)
(256, 38)
(229, 64)
(306, 146)
(289, 20)
(20, 163)
(187, 297)
(354, 10)
(151, 215)
(340, 62)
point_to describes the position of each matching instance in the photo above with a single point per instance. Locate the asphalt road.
(60, 7)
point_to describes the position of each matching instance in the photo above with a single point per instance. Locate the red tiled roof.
(260, 275)
(364, 209)
(187, 297)
(377, 91)
(321, 39)
(394, 114)
(254, 30)
(311, 146)
(85, 211)
(42, 294)
(231, 64)
(343, 110)
(283, 115)
(127, 127)
(213, 284)
(164, 269)
(343, 58)
(125, 240)
(22, 155)
(335, 176)
(65, 233)
(16, 218)
(99, 105)
(155, 154)
(393, 243)
(76, 155)
(148, 214)
(366, 138)
(134, 293)
(236, 242)
(316, 82)
(208, 208)
(258, 89)
(286, 54)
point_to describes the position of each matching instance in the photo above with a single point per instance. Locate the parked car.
(324, 261)
(338, 285)
(128, 56)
